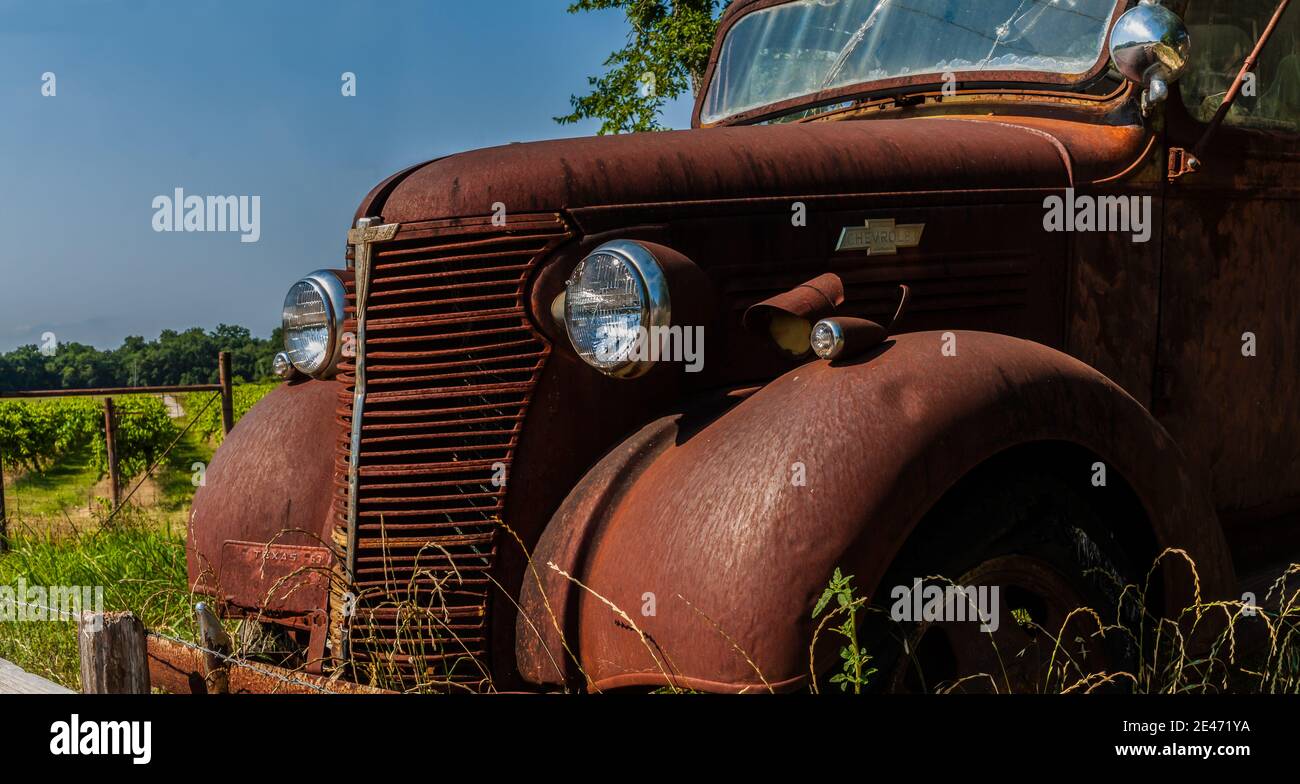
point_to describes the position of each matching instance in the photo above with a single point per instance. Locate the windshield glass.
(805, 46)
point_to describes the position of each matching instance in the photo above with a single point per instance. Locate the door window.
(1223, 35)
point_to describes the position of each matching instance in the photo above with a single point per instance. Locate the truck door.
(1228, 357)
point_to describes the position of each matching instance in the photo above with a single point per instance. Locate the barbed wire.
(288, 679)
(194, 419)
(145, 476)
(60, 613)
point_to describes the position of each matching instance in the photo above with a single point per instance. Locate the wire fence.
(279, 676)
(112, 459)
(114, 416)
(149, 471)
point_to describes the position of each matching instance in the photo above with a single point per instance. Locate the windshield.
(805, 46)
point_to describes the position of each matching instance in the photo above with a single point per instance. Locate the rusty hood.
(721, 164)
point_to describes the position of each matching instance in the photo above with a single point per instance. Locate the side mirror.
(1150, 47)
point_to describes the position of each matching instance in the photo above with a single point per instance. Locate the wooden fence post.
(114, 654)
(227, 398)
(114, 481)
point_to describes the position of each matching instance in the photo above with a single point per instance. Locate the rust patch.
(177, 669)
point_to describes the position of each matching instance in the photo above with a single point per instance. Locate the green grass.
(176, 475)
(68, 489)
(67, 485)
(139, 564)
(59, 538)
(1210, 647)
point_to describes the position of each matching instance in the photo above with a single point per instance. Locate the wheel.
(1046, 547)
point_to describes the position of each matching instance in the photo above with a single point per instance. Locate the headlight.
(313, 323)
(613, 300)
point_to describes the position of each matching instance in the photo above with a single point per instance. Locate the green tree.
(666, 55)
(188, 357)
(78, 366)
(25, 368)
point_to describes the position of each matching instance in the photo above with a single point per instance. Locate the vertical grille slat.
(452, 360)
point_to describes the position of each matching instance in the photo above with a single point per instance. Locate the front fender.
(260, 524)
(705, 525)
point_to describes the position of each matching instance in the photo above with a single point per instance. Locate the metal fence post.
(4, 523)
(215, 639)
(110, 448)
(227, 398)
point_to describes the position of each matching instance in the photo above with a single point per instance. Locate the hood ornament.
(880, 237)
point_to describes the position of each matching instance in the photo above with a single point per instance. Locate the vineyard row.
(35, 434)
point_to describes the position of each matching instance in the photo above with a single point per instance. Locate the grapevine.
(36, 434)
(142, 432)
(208, 425)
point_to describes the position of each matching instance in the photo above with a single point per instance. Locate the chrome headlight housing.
(613, 301)
(312, 320)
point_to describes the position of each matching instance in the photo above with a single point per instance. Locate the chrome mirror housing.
(1150, 47)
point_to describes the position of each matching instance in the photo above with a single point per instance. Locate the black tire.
(1054, 541)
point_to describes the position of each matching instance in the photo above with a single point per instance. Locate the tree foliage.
(666, 55)
(188, 357)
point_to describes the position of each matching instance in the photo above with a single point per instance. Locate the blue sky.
(243, 97)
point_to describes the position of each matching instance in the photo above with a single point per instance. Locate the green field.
(139, 564)
(64, 532)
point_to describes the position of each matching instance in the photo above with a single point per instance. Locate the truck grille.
(452, 360)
